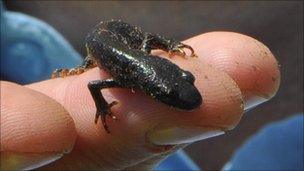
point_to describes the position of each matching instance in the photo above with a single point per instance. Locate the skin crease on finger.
(222, 109)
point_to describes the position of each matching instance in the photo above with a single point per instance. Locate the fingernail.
(253, 101)
(181, 135)
(26, 161)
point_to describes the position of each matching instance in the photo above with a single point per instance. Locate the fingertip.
(249, 62)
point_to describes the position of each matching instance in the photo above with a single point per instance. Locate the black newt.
(124, 51)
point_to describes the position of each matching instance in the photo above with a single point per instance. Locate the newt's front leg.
(103, 108)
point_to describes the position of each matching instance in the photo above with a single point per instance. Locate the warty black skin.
(123, 51)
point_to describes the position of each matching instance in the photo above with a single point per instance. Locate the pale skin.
(54, 119)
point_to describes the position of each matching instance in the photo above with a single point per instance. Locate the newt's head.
(179, 92)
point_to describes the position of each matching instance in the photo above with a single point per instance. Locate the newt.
(124, 51)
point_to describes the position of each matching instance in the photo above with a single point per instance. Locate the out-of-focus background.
(279, 25)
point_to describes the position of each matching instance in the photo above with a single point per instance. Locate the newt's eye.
(188, 77)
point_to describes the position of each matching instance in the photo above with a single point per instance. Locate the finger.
(140, 117)
(35, 129)
(249, 62)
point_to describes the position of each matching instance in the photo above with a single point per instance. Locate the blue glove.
(32, 49)
(278, 146)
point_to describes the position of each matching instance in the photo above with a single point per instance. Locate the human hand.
(47, 120)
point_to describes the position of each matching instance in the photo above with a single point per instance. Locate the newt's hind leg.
(88, 63)
(173, 47)
(103, 108)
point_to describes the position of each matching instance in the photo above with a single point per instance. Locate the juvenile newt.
(124, 51)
